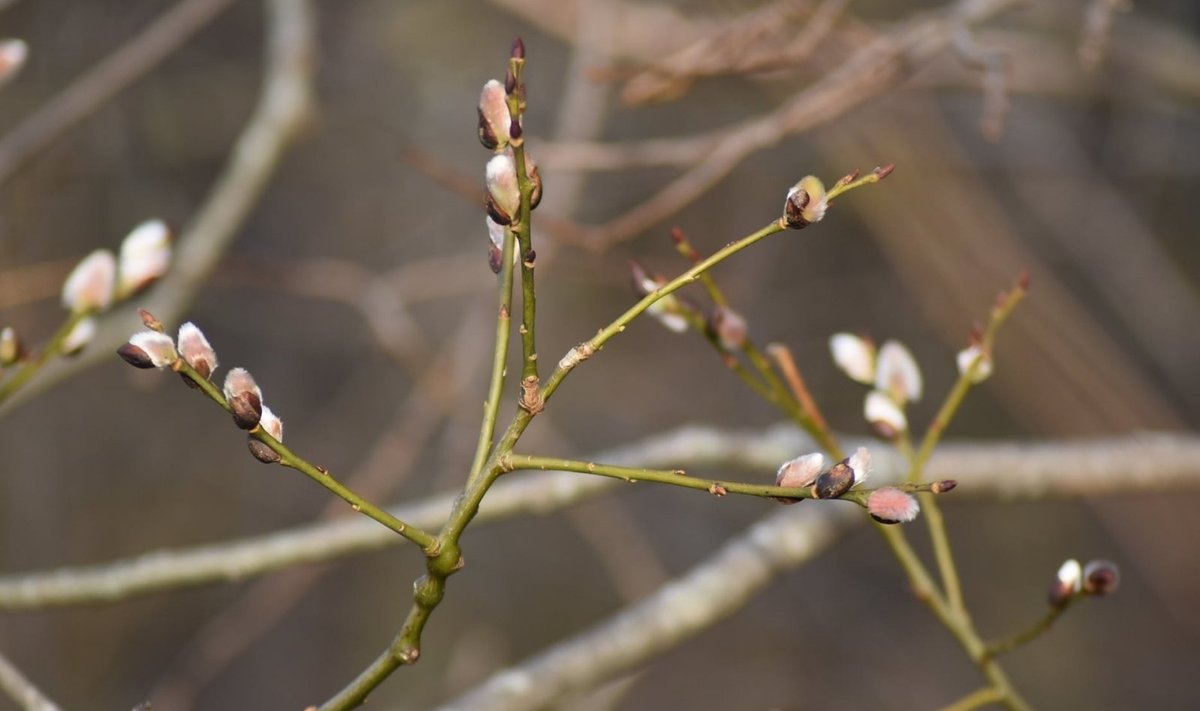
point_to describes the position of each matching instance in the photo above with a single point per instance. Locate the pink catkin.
(891, 505)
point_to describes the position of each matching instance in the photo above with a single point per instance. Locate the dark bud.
(135, 356)
(793, 209)
(834, 482)
(535, 197)
(189, 382)
(149, 321)
(510, 82)
(515, 131)
(261, 452)
(246, 408)
(487, 136)
(1101, 577)
(530, 258)
(941, 487)
(497, 213)
(495, 258)
(518, 48)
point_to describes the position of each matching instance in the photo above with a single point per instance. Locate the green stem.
(290, 459)
(976, 699)
(522, 227)
(590, 347)
(52, 348)
(1004, 646)
(491, 406)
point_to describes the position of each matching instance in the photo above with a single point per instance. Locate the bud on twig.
(10, 347)
(799, 473)
(974, 364)
(149, 349)
(854, 355)
(89, 286)
(504, 195)
(494, 118)
(244, 398)
(261, 451)
(1067, 584)
(145, 256)
(1101, 577)
(194, 348)
(897, 374)
(834, 482)
(806, 203)
(79, 337)
(729, 328)
(884, 415)
(890, 505)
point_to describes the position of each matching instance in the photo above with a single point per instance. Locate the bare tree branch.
(1011, 470)
(21, 690)
(712, 590)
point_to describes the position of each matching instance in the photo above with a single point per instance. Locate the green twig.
(1004, 646)
(976, 699)
(531, 398)
(290, 459)
(32, 365)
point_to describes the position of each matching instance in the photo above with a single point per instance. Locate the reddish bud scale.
(943, 486)
(1023, 280)
(149, 321)
(518, 48)
(515, 130)
(246, 408)
(885, 171)
(510, 82)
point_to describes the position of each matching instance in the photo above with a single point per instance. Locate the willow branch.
(998, 471)
(284, 105)
(21, 690)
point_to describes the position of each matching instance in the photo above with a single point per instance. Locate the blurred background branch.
(1011, 471)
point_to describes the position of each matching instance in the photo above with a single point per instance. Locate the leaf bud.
(261, 451)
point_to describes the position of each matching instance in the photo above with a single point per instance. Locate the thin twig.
(21, 690)
(283, 108)
(994, 470)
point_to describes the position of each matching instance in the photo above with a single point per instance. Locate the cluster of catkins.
(499, 131)
(154, 349)
(100, 280)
